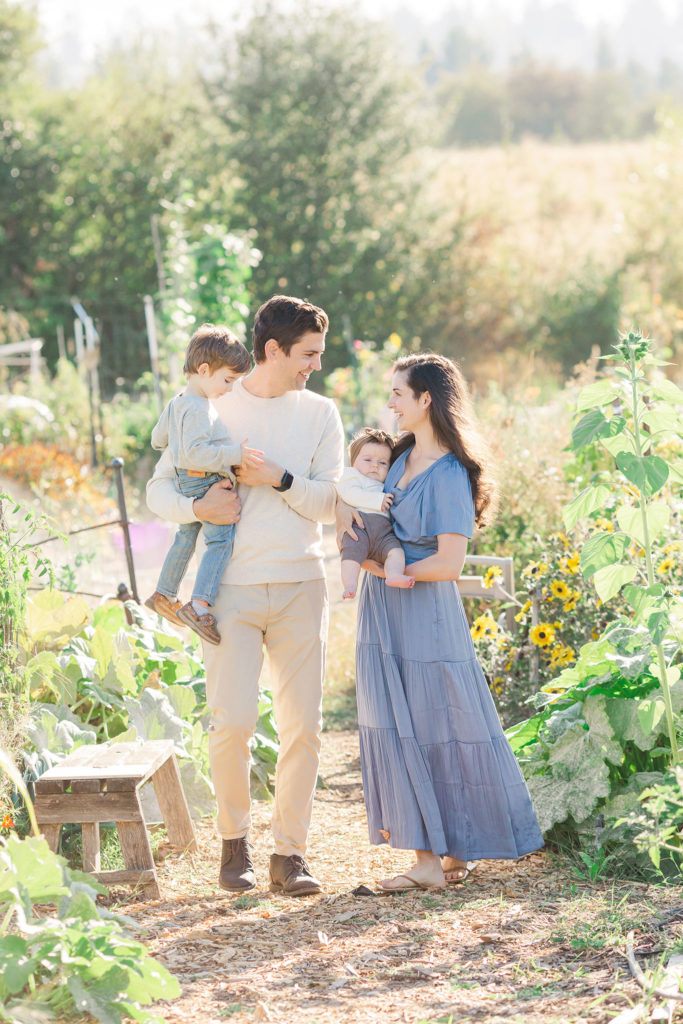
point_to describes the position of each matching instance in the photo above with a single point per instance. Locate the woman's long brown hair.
(453, 422)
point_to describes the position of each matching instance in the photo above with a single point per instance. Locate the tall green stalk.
(647, 546)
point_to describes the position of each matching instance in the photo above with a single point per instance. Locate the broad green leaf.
(50, 616)
(676, 471)
(658, 623)
(649, 473)
(602, 549)
(579, 778)
(588, 429)
(610, 579)
(589, 500)
(668, 392)
(630, 520)
(650, 713)
(17, 965)
(38, 872)
(666, 420)
(102, 649)
(615, 445)
(601, 392)
(600, 733)
(110, 616)
(44, 673)
(183, 700)
(625, 720)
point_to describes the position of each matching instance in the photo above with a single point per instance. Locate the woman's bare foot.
(405, 582)
(456, 870)
(425, 872)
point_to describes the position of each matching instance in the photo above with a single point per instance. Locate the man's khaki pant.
(291, 620)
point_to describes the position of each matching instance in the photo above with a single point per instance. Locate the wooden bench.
(102, 783)
(501, 590)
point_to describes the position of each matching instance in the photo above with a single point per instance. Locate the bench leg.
(137, 852)
(171, 797)
(51, 834)
(91, 846)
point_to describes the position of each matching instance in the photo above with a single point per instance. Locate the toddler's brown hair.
(216, 345)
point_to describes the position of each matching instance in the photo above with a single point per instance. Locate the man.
(274, 589)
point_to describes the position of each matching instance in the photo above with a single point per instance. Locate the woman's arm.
(445, 564)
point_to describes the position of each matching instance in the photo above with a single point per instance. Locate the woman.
(439, 776)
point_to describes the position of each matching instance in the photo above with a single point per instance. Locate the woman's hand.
(220, 505)
(346, 516)
(373, 567)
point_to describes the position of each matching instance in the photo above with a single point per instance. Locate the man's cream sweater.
(278, 538)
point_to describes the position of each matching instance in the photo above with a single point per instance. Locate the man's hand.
(387, 502)
(220, 505)
(260, 472)
(346, 516)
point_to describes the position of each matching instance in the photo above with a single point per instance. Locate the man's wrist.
(285, 482)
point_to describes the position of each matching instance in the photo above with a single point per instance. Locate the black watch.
(286, 482)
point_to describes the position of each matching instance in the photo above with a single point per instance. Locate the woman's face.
(410, 411)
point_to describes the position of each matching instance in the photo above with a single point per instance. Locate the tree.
(320, 121)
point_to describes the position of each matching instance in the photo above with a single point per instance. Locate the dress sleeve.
(447, 505)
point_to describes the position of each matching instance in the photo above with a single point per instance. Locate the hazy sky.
(97, 20)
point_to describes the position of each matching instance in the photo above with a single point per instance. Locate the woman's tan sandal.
(454, 876)
(406, 883)
(203, 625)
(165, 607)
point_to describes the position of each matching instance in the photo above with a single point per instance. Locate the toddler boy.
(362, 487)
(202, 452)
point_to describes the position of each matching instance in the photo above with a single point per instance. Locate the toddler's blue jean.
(218, 539)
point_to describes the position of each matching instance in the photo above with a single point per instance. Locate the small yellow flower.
(562, 537)
(521, 614)
(483, 626)
(395, 340)
(534, 569)
(508, 665)
(666, 566)
(498, 684)
(493, 573)
(542, 635)
(674, 546)
(570, 563)
(560, 590)
(571, 602)
(595, 633)
(569, 655)
(604, 524)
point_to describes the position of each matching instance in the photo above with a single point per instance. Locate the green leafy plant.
(79, 959)
(608, 724)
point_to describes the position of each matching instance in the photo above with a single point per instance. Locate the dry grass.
(522, 942)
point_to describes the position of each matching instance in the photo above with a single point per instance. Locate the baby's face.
(373, 460)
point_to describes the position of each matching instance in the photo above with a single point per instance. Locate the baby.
(202, 452)
(361, 486)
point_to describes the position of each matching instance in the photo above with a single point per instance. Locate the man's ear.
(271, 348)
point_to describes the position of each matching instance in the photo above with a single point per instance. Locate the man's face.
(304, 357)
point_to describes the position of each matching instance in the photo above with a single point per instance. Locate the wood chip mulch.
(525, 942)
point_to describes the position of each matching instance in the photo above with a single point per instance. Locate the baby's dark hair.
(216, 345)
(369, 435)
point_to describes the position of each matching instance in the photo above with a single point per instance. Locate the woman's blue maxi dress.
(438, 773)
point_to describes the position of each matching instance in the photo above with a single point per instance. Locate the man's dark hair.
(286, 319)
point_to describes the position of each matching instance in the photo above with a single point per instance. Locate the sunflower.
(534, 569)
(570, 563)
(492, 574)
(560, 590)
(604, 524)
(571, 602)
(666, 566)
(542, 635)
(484, 625)
(523, 611)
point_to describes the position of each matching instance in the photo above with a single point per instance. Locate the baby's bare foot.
(406, 582)
(348, 594)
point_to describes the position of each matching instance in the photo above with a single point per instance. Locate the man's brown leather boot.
(237, 867)
(291, 876)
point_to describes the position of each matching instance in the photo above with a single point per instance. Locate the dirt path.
(518, 942)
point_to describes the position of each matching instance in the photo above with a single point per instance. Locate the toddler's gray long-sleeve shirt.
(195, 436)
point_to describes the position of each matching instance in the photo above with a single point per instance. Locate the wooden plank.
(79, 807)
(136, 849)
(124, 785)
(43, 785)
(117, 760)
(91, 846)
(174, 809)
(126, 877)
(51, 833)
